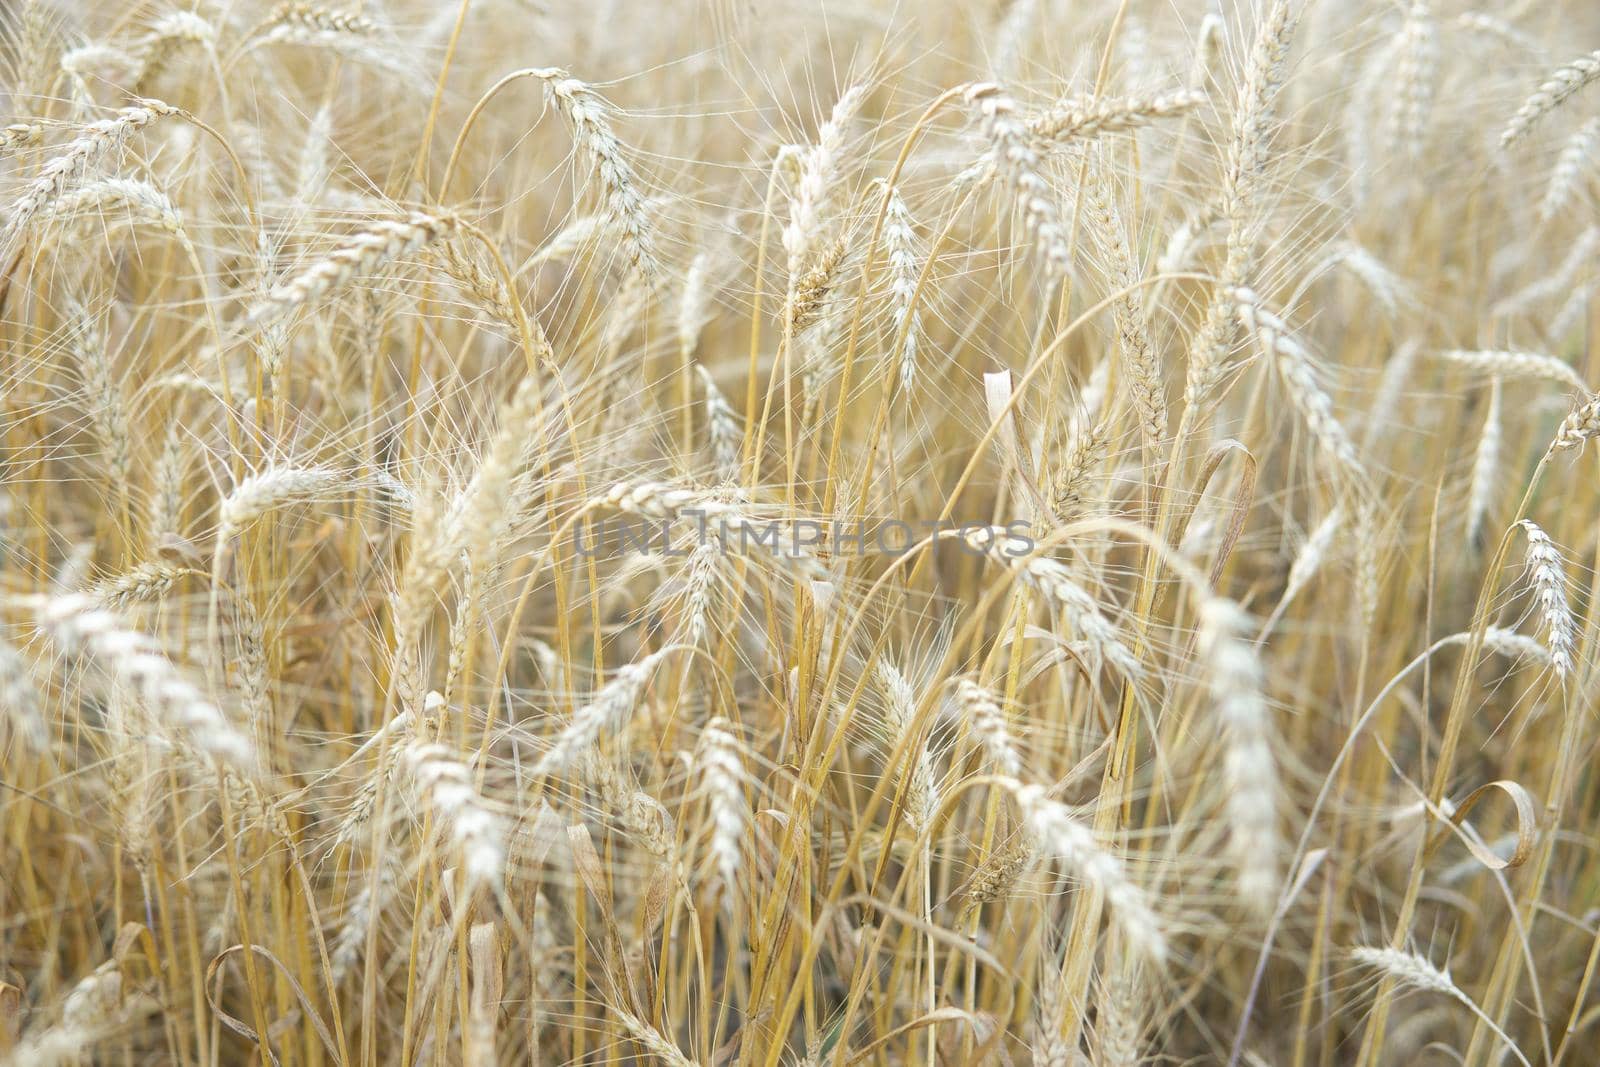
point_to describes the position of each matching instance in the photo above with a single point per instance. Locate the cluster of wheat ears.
(1230, 704)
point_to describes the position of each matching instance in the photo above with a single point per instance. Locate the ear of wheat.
(364, 252)
(77, 623)
(93, 144)
(1549, 580)
(1564, 82)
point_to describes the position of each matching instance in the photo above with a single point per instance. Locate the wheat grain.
(20, 135)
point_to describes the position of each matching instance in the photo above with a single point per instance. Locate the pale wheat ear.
(1549, 581)
(1415, 69)
(273, 488)
(1307, 562)
(900, 244)
(818, 167)
(77, 624)
(1236, 679)
(919, 775)
(1534, 365)
(1083, 120)
(1582, 424)
(1417, 972)
(1017, 162)
(103, 396)
(1483, 487)
(724, 432)
(721, 761)
(1141, 366)
(609, 709)
(1293, 362)
(1580, 152)
(367, 250)
(1058, 834)
(20, 697)
(989, 726)
(1568, 271)
(1564, 82)
(584, 110)
(311, 18)
(651, 1039)
(444, 785)
(1055, 581)
(147, 582)
(67, 169)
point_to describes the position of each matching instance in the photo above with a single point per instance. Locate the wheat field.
(753, 534)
